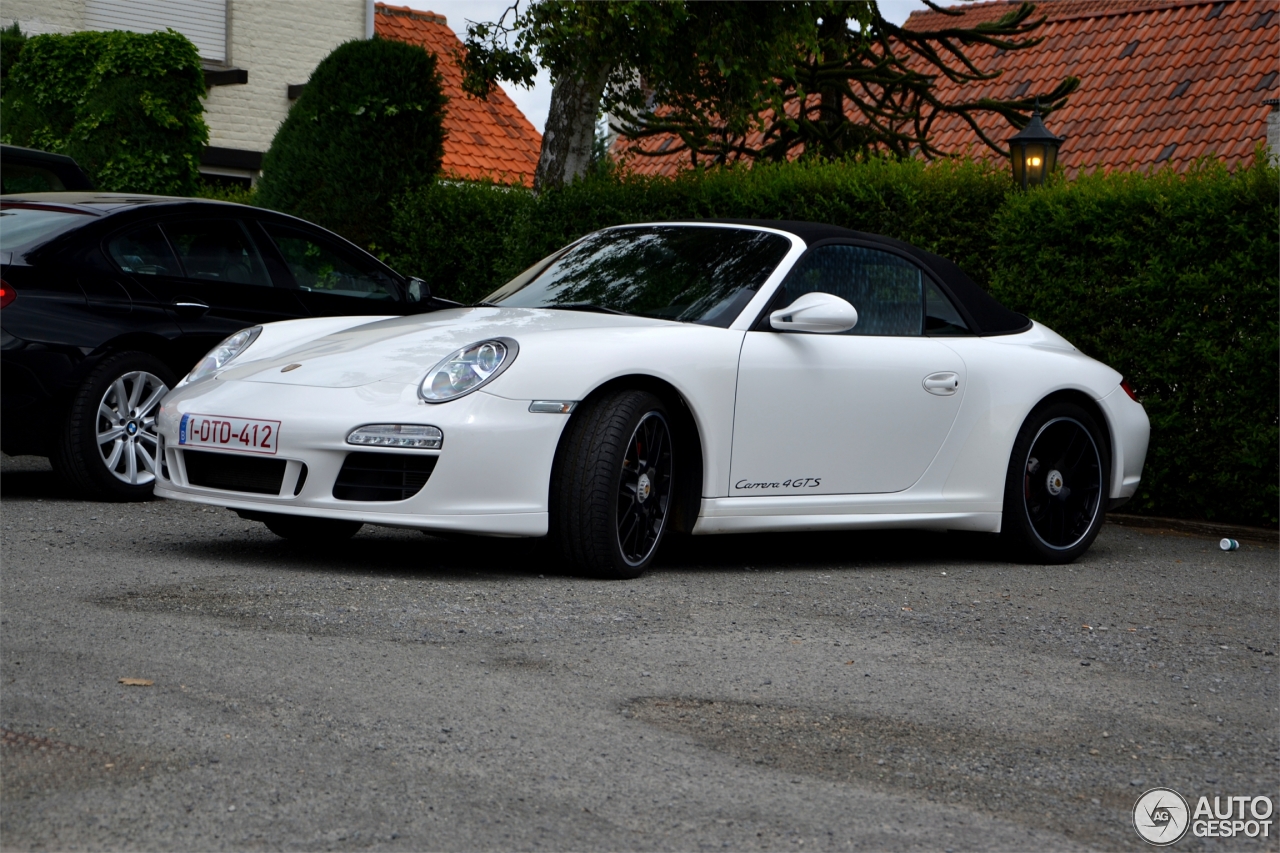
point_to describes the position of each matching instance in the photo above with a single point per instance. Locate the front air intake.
(233, 473)
(383, 476)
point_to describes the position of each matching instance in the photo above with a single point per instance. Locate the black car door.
(208, 273)
(332, 279)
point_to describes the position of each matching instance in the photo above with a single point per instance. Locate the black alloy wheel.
(613, 485)
(1055, 494)
(644, 489)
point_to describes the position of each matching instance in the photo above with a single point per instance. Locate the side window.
(940, 316)
(886, 289)
(217, 250)
(320, 266)
(143, 252)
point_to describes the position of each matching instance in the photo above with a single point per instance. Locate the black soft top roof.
(980, 309)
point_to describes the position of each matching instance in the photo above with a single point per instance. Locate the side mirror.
(815, 312)
(419, 290)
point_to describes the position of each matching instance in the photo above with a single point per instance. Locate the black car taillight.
(7, 293)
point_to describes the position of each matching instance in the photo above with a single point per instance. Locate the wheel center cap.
(643, 488)
(132, 428)
(1054, 483)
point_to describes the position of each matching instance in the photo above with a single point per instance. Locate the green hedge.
(489, 233)
(1172, 280)
(126, 106)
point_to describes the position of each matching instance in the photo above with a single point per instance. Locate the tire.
(613, 486)
(1056, 487)
(311, 531)
(107, 447)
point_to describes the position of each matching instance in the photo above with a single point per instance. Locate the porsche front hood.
(405, 348)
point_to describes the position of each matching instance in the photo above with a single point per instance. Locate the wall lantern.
(1034, 152)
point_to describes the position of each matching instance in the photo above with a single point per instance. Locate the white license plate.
(226, 433)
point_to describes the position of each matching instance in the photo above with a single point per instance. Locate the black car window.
(940, 316)
(886, 290)
(693, 274)
(217, 250)
(143, 252)
(320, 266)
(27, 225)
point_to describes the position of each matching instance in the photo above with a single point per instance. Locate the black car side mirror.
(419, 290)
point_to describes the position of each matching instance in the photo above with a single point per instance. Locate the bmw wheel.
(1056, 487)
(612, 490)
(108, 447)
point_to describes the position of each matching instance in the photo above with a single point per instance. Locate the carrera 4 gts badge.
(798, 483)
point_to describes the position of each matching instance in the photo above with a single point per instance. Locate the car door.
(332, 280)
(208, 273)
(863, 411)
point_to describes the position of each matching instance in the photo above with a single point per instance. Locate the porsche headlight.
(221, 355)
(467, 369)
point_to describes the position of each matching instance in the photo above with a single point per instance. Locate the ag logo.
(1161, 816)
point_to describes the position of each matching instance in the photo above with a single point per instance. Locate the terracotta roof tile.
(1123, 115)
(485, 139)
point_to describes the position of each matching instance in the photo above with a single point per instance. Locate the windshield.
(22, 226)
(672, 272)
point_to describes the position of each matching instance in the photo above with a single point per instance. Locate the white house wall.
(38, 17)
(204, 22)
(278, 44)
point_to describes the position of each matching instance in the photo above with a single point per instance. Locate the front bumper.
(492, 473)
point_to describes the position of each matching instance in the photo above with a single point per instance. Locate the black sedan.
(106, 300)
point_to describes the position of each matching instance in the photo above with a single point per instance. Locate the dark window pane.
(885, 288)
(940, 316)
(143, 252)
(691, 274)
(318, 265)
(21, 225)
(217, 250)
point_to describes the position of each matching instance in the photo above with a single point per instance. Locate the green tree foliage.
(844, 58)
(1170, 279)
(588, 47)
(714, 73)
(126, 106)
(368, 127)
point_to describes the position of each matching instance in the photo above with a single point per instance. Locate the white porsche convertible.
(705, 377)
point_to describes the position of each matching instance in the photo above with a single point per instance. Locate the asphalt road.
(875, 691)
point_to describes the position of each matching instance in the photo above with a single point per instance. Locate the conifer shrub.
(367, 128)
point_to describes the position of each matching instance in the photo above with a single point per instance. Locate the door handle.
(942, 384)
(189, 308)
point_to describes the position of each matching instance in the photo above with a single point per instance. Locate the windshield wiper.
(588, 306)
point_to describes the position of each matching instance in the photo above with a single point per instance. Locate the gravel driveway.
(838, 691)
